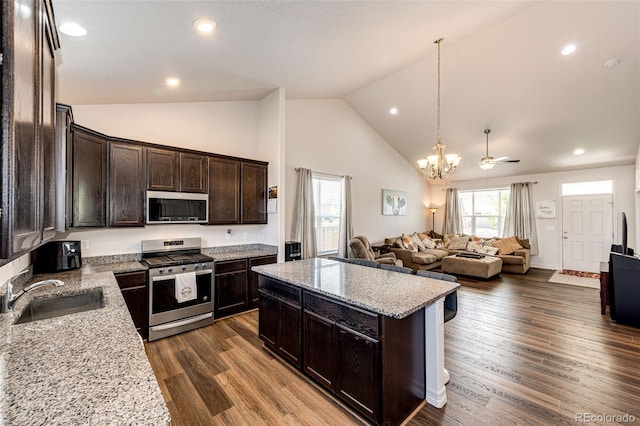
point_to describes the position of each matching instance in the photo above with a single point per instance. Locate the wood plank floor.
(520, 351)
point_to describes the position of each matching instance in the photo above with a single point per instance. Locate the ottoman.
(480, 268)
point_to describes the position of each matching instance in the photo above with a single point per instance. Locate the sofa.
(517, 261)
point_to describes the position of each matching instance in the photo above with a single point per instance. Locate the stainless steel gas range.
(180, 286)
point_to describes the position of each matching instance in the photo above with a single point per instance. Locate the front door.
(587, 231)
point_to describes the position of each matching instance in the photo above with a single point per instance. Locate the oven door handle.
(172, 277)
(181, 323)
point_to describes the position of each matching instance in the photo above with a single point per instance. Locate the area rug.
(580, 274)
(560, 278)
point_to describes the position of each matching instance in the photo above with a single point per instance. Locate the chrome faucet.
(9, 299)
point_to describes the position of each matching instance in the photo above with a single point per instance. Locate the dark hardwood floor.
(520, 351)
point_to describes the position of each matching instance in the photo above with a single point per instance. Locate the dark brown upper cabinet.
(254, 193)
(126, 184)
(89, 174)
(163, 168)
(27, 42)
(169, 170)
(193, 172)
(224, 193)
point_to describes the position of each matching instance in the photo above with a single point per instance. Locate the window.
(327, 192)
(483, 211)
(588, 188)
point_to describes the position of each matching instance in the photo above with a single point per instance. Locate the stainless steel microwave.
(177, 207)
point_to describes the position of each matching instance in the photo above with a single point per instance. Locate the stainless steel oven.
(180, 286)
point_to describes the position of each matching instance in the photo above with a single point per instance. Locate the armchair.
(360, 248)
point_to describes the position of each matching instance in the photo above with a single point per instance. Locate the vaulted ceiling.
(501, 69)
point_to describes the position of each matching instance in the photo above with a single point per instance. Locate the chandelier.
(439, 165)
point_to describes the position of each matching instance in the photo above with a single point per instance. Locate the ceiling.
(501, 69)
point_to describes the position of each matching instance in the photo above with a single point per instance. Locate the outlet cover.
(84, 244)
(244, 235)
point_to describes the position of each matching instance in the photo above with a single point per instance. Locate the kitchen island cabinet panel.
(364, 333)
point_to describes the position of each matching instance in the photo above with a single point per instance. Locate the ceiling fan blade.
(501, 159)
(511, 161)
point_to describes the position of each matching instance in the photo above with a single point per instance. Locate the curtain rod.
(297, 169)
(488, 186)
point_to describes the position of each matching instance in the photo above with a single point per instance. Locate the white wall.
(327, 136)
(231, 128)
(272, 149)
(549, 188)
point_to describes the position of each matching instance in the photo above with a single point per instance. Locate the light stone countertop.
(385, 292)
(220, 254)
(79, 369)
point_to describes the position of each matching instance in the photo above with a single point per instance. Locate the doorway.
(587, 231)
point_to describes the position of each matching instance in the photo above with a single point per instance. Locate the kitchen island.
(84, 368)
(373, 338)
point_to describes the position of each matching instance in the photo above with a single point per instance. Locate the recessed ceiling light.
(568, 49)
(204, 25)
(72, 29)
(611, 63)
(172, 81)
(578, 151)
(393, 111)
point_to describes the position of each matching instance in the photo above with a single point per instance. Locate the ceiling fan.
(487, 162)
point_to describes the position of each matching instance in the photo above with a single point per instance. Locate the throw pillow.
(435, 236)
(422, 235)
(408, 243)
(458, 243)
(439, 243)
(490, 242)
(447, 238)
(507, 245)
(488, 250)
(429, 243)
(473, 247)
(417, 241)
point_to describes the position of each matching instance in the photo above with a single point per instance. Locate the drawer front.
(230, 266)
(266, 260)
(356, 319)
(131, 279)
(280, 289)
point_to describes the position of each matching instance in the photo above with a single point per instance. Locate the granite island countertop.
(385, 292)
(83, 368)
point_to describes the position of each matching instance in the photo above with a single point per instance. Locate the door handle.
(566, 238)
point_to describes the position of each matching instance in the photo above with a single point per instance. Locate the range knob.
(196, 267)
(161, 271)
(170, 270)
(184, 268)
(204, 266)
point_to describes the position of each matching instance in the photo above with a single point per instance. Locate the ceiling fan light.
(487, 166)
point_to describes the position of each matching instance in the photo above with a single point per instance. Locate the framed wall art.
(394, 202)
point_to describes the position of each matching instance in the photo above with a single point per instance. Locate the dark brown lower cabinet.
(133, 286)
(253, 277)
(280, 325)
(236, 286)
(231, 288)
(373, 363)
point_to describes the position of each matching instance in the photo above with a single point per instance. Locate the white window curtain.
(304, 229)
(520, 219)
(452, 213)
(346, 225)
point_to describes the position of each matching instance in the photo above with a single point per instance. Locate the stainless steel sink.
(39, 309)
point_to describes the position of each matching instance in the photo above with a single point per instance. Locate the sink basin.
(39, 309)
